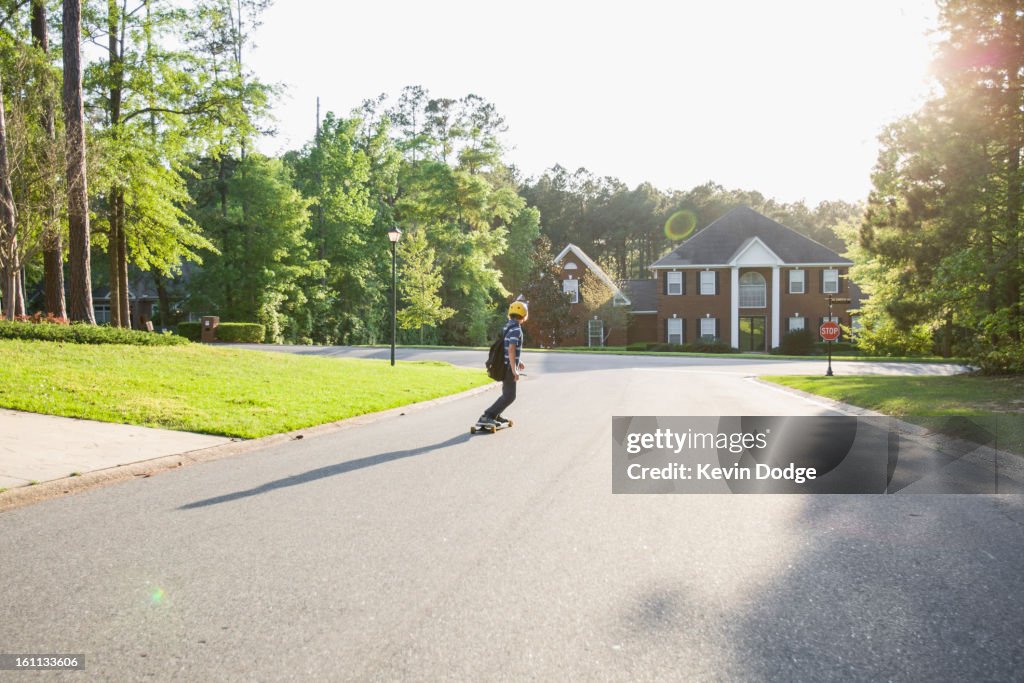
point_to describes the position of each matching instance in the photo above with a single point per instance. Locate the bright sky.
(785, 97)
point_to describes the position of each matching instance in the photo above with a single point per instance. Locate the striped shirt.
(513, 334)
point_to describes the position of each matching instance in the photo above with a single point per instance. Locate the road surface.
(408, 549)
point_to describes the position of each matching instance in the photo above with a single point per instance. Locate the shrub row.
(691, 347)
(81, 333)
(226, 332)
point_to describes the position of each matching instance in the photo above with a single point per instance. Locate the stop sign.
(829, 331)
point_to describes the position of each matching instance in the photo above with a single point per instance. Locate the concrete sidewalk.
(39, 448)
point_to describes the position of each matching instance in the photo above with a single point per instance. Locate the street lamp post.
(393, 234)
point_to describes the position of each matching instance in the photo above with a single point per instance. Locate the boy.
(518, 312)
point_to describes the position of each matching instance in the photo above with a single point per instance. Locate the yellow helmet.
(519, 308)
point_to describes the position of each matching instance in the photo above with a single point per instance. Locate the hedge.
(83, 333)
(241, 332)
(190, 331)
(226, 332)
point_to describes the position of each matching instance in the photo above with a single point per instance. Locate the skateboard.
(489, 428)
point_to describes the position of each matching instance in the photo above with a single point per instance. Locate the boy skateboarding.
(512, 334)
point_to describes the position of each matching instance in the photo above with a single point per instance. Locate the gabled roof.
(595, 269)
(720, 243)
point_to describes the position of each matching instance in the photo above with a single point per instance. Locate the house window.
(797, 323)
(796, 282)
(572, 288)
(830, 281)
(675, 283)
(707, 282)
(675, 330)
(595, 333)
(752, 290)
(102, 313)
(709, 328)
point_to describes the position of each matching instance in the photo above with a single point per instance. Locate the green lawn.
(997, 402)
(212, 390)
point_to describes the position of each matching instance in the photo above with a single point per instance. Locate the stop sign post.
(829, 332)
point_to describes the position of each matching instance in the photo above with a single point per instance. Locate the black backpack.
(496, 359)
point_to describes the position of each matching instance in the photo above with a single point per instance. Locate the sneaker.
(501, 420)
(484, 421)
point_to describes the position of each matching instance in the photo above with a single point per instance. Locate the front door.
(752, 334)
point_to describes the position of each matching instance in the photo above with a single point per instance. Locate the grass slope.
(215, 391)
(998, 401)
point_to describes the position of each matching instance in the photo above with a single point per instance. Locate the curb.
(27, 495)
(937, 440)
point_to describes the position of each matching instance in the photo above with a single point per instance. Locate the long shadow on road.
(323, 472)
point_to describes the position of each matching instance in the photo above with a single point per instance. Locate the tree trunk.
(20, 307)
(122, 252)
(8, 231)
(113, 244)
(165, 300)
(53, 247)
(78, 190)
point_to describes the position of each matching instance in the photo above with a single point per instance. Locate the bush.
(83, 333)
(709, 346)
(251, 333)
(797, 343)
(191, 331)
(638, 346)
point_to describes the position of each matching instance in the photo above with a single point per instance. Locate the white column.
(776, 313)
(734, 311)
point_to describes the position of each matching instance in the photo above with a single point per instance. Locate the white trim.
(669, 283)
(803, 280)
(738, 259)
(734, 313)
(776, 305)
(714, 282)
(572, 288)
(669, 333)
(594, 268)
(823, 281)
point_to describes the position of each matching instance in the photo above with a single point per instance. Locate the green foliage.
(798, 343)
(419, 284)
(190, 331)
(694, 347)
(550, 322)
(251, 333)
(86, 334)
(942, 245)
(257, 226)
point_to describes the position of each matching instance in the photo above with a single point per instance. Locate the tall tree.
(9, 264)
(80, 287)
(944, 221)
(419, 285)
(53, 243)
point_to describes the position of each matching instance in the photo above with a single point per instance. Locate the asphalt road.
(409, 550)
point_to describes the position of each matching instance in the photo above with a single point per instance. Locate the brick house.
(589, 330)
(745, 280)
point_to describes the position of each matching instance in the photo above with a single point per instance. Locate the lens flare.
(156, 597)
(680, 225)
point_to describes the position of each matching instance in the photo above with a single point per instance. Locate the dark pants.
(508, 395)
